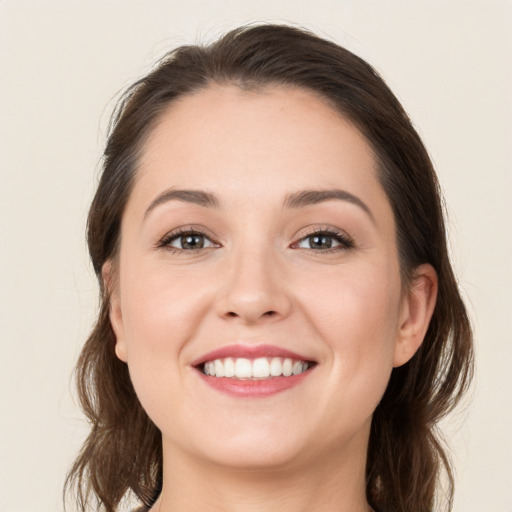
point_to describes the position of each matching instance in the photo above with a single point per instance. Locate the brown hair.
(123, 451)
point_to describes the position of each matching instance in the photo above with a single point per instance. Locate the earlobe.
(115, 313)
(417, 310)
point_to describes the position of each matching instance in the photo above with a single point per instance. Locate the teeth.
(287, 367)
(276, 367)
(229, 367)
(243, 368)
(260, 368)
(296, 368)
(219, 368)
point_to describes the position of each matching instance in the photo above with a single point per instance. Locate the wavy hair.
(123, 452)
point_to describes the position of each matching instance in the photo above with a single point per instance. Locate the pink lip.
(254, 388)
(249, 352)
(251, 388)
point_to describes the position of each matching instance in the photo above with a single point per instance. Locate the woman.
(280, 325)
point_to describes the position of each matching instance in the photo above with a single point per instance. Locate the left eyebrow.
(309, 197)
(198, 197)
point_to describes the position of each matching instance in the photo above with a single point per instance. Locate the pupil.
(192, 242)
(320, 242)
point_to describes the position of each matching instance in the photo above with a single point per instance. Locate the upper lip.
(249, 352)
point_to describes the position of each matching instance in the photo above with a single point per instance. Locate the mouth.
(255, 369)
(246, 370)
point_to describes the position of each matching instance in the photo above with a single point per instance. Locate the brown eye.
(324, 241)
(188, 241)
(192, 242)
(320, 242)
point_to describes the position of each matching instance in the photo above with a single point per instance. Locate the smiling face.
(257, 230)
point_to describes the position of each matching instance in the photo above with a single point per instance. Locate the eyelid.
(345, 240)
(185, 230)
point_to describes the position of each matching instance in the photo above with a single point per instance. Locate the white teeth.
(243, 368)
(229, 367)
(260, 368)
(296, 368)
(219, 368)
(276, 367)
(287, 367)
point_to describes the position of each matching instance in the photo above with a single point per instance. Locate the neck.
(331, 484)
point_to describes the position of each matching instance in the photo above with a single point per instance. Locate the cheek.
(354, 303)
(357, 316)
(161, 312)
(160, 308)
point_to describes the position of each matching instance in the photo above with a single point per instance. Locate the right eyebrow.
(304, 198)
(189, 196)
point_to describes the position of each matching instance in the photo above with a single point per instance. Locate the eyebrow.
(198, 197)
(310, 197)
(294, 200)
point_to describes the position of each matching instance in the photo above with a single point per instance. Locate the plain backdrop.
(61, 65)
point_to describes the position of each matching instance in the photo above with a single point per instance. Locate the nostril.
(232, 314)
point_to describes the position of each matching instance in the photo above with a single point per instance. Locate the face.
(258, 242)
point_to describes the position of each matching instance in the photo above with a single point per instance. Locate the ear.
(417, 309)
(115, 313)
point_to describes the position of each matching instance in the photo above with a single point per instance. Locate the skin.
(259, 280)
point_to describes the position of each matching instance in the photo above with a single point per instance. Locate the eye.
(325, 240)
(191, 241)
(187, 240)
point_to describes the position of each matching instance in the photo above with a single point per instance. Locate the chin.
(255, 447)
(271, 456)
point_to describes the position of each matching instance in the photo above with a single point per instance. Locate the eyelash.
(345, 242)
(174, 235)
(342, 238)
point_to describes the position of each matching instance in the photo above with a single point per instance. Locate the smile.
(261, 368)
(253, 371)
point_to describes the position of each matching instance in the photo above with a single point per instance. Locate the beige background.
(60, 65)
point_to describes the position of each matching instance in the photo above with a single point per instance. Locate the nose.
(254, 289)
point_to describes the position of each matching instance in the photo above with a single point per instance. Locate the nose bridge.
(254, 287)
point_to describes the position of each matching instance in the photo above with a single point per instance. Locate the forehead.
(260, 143)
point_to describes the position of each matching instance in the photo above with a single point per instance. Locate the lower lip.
(254, 388)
